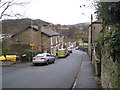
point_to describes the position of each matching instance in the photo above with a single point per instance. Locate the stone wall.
(95, 33)
(96, 63)
(18, 49)
(109, 70)
(26, 38)
(46, 44)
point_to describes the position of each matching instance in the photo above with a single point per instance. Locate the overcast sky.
(59, 11)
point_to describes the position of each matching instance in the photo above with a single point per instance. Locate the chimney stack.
(39, 26)
(48, 26)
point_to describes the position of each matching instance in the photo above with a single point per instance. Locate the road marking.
(76, 78)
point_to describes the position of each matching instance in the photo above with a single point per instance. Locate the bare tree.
(5, 6)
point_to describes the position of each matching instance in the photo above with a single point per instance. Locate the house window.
(51, 41)
(51, 50)
(56, 40)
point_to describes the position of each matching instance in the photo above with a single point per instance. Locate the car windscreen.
(40, 55)
(61, 51)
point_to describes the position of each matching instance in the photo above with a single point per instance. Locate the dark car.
(68, 53)
(69, 49)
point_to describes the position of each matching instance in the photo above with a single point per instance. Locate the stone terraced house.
(96, 28)
(43, 37)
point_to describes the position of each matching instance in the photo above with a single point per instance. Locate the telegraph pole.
(90, 33)
(32, 35)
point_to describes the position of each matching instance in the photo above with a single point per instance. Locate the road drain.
(76, 77)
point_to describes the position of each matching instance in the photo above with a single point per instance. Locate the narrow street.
(85, 32)
(61, 74)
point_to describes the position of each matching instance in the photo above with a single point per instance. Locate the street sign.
(32, 44)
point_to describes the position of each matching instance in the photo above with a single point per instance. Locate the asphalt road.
(61, 74)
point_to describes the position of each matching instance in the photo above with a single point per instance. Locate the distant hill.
(74, 31)
(69, 31)
(13, 26)
(81, 24)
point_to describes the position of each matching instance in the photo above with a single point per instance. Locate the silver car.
(43, 58)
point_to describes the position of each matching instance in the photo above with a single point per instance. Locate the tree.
(5, 50)
(109, 12)
(5, 7)
(28, 55)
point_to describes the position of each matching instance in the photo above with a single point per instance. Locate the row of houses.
(42, 37)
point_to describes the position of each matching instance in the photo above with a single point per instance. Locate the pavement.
(8, 63)
(58, 75)
(86, 77)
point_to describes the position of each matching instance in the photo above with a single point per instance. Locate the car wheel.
(65, 55)
(54, 61)
(51, 62)
(34, 64)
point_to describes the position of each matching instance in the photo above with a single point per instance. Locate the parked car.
(2, 58)
(68, 53)
(77, 48)
(43, 58)
(69, 49)
(62, 52)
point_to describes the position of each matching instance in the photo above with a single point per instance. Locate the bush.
(77, 44)
(5, 50)
(28, 55)
(111, 40)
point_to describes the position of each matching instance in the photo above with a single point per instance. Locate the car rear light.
(33, 58)
(42, 58)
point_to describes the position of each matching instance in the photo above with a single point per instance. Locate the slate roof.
(96, 22)
(46, 31)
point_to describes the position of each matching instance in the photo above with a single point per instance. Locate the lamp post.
(32, 35)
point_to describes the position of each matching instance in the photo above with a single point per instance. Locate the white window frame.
(51, 40)
(56, 40)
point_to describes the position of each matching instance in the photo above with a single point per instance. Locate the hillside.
(74, 31)
(16, 25)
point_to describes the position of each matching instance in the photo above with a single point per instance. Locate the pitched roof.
(96, 22)
(48, 32)
(34, 27)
